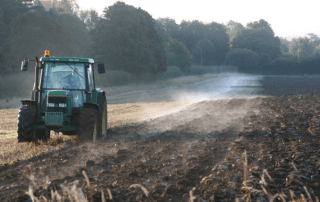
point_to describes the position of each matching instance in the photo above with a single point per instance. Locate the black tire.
(88, 124)
(43, 135)
(103, 118)
(26, 120)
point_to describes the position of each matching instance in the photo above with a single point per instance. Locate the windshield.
(67, 75)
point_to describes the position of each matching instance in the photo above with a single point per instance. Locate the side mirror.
(101, 68)
(24, 65)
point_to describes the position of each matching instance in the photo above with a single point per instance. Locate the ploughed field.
(219, 150)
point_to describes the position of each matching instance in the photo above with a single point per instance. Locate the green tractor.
(64, 99)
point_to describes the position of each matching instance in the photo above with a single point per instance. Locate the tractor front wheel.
(88, 124)
(26, 120)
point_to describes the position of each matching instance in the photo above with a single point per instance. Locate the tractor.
(64, 99)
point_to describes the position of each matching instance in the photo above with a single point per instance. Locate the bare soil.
(196, 151)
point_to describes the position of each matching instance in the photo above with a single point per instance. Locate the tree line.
(128, 38)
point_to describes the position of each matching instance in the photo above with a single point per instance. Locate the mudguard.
(29, 102)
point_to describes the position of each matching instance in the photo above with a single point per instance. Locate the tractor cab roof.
(66, 59)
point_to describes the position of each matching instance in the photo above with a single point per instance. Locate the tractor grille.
(57, 104)
(54, 119)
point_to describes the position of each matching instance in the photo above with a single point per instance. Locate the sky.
(288, 18)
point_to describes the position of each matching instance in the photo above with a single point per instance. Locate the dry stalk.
(273, 197)
(263, 181)
(110, 194)
(294, 166)
(87, 179)
(292, 195)
(266, 192)
(103, 199)
(30, 193)
(191, 195)
(145, 191)
(248, 197)
(44, 198)
(308, 194)
(282, 196)
(303, 198)
(277, 195)
(266, 172)
(245, 167)
(237, 200)
(75, 193)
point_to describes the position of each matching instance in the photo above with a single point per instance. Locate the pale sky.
(288, 18)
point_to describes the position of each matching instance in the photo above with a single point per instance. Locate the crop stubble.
(199, 149)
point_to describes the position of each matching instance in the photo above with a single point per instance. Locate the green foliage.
(178, 55)
(34, 32)
(317, 50)
(172, 72)
(167, 27)
(219, 38)
(79, 33)
(260, 25)
(284, 45)
(310, 65)
(191, 34)
(301, 48)
(90, 18)
(126, 40)
(282, 66)
(259, 37)
(9, 10)
(233, 29)
(204, 52)
(313, 36)
(246, 60)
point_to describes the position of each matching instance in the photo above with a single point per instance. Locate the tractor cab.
(73, 77)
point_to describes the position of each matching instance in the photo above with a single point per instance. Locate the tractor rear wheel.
(88, 124)
(26, 120)
(103, 118)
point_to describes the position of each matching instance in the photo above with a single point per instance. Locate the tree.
(90, 18)
(204, 52)
(168, 26)
(233, 29)
(301, 48)
(78, 30)
(282, 66)
(259, 37)
(34, 32)
(313, 36)
(191, 32)
(178, 55)
(284, 45)
(219, 38)
(311, 65)
(9, 10)
(126, 39)
(66, 6)
(260, 25)
(317, 50)
(246, 60)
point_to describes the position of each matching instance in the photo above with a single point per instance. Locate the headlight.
(50, 104)
(62, 105)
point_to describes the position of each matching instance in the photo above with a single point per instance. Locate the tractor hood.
(58, 93)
